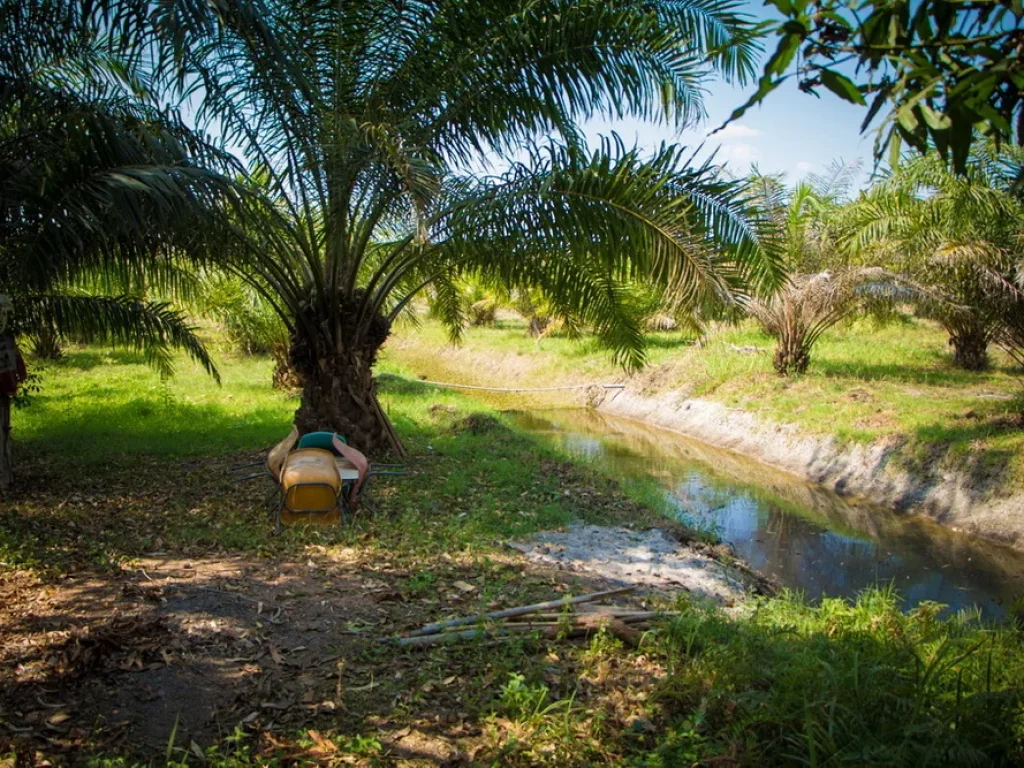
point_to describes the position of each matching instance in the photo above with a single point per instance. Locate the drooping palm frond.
(153, 328)
(957, 236)
(107, 198)
(356, 114)
(101, 185)
(584, 227)
(837, 182)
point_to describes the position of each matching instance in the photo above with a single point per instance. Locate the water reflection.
(801, 534)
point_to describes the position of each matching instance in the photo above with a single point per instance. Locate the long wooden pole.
(547, 630)
(523, 610)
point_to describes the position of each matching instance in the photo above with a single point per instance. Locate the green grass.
(108, 447)
(96, 406)
(866, 383)
(115, 463)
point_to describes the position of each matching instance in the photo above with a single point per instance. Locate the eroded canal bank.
(799, 534)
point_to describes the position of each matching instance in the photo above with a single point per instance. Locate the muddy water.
(800, 534)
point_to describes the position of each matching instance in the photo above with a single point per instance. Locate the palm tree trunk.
(47, 345)
(339, 396)
(284, 376)
(790, 357)
(6, 459)
(970, 348)
(791, 352)
(338, 391)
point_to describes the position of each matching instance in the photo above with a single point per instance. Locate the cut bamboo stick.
(524, 610)
(626, 616)
(549, 632)
(432, 629)
(634, 617)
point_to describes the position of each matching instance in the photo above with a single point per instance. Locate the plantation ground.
(145, 604)
(865, 384)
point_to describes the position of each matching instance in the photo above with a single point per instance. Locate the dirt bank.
(948, 496)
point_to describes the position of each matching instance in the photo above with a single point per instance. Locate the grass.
(114, 450)
(866, 383)
(115, 464)
(97, 406)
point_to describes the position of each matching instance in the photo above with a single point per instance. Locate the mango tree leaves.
(939, 73)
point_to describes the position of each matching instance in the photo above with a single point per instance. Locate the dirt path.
(208, 646)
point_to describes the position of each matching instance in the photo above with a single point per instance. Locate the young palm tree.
(822, 289)
(360, 120)
(958, 237)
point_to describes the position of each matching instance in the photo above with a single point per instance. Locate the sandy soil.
(645, 558)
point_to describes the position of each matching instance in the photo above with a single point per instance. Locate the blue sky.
(791, 132)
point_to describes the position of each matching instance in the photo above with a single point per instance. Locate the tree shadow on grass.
(859, 682)
(392, 384)
(672, 340)
(85, 359)
(100, 430)
(942, 374)
(987, 466)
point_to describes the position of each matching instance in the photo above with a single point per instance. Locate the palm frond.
(153, 328)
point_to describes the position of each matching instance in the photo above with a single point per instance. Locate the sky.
(791, 132)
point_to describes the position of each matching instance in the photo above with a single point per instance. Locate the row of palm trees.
(951, 245)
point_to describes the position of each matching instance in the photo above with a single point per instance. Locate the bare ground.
(274, 648)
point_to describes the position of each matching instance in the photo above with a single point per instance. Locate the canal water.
(800, 534)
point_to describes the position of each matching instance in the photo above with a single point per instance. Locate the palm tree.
(822, 290)
(958, 237)
(98, 189)
(360, 121)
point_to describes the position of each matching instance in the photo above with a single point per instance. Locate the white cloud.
(739, 153)
(803, 166)
(737, 131)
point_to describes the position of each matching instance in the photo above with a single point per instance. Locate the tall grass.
(841, 683)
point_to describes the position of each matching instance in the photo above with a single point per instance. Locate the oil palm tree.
(822, 288)
(956, 236)
(360, 122)
(99, 192)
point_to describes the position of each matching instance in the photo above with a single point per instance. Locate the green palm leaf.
(150, 327)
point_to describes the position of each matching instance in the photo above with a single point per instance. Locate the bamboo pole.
(631, 617)
(431, 629)
(547, 630)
